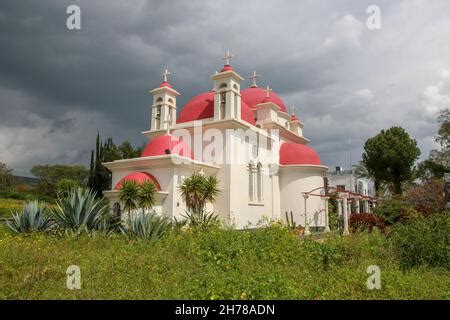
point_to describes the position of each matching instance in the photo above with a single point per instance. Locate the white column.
(339, 207)
(366, 206)
(345, 209)
(307, 232)
(327, 222)
(357, 203)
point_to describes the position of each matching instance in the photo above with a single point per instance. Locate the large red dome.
(202, 107)
(139, 177)
(294, 153)
(166, 144)
(255, 95)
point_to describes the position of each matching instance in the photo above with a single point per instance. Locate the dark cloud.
(58, 87)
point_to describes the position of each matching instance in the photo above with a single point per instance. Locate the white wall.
(294, 181)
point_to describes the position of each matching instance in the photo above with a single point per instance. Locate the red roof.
(139, 177)
(294, 153)
(255, 95)
(166, 144)
(202, 107)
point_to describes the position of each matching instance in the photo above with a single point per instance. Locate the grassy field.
(218, 264)
(6, 205)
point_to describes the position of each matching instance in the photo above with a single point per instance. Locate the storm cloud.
(59, 87)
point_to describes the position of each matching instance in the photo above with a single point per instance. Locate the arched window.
(259, 182)
(158, 117)
(223, 102)
(250, 183)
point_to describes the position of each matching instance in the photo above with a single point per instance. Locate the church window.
(259, 181)
(250, 182)
(158, 117)
(223, 101)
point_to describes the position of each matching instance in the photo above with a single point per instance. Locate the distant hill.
(33, 181)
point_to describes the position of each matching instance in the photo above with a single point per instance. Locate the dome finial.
(165, 75)
(254, 76)
(227, 58)
(292, 110)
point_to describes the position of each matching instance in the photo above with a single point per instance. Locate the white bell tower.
(164, 107)
(227, 98)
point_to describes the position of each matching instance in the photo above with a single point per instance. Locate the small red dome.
(255, 95)
(202, 107)
(226, 67)
(294, 153)
(294, 118)
(139, 177)
(165, 84)
(166, 144)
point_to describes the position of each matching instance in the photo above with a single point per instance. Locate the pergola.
(346, 201)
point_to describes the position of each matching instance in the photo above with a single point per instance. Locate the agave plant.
(81, 211)
(32, 218)
(147, 225)
(201, 219)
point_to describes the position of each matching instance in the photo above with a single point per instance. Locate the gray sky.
(59, 87)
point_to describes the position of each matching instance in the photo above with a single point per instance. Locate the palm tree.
(146, 195)
(128, 195)
(197, 190)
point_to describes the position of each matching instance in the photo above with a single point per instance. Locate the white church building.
(243, 136)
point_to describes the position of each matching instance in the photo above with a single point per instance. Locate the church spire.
(164, 104)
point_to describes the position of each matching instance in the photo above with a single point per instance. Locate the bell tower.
(227, 98)
(164, 107)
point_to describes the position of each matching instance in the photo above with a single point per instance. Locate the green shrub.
(425, 241)
(394, 210)
(80, 210)
(32, 218)
(64, 186)
(147, 225)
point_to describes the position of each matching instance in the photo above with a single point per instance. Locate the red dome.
(294, 118)
(163, 145)
(254, 95)
(294, 153)
(139, 177)
(202, 107)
